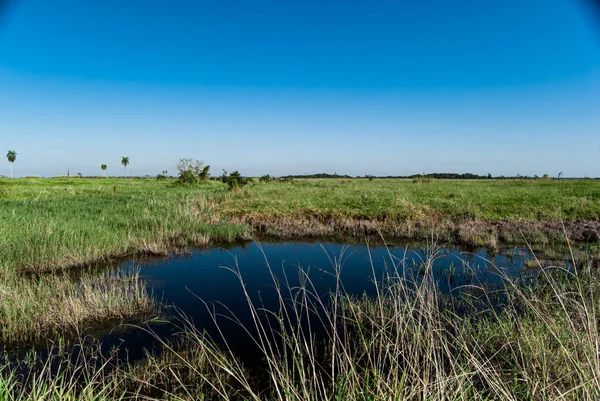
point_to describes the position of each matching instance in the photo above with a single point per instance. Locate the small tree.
(205, 173)
(234, 180)
(11, 156)
(125, 162)
(191, 171)
(103, 167)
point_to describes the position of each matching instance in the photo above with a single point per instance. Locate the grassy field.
(48, 224)
(398, 199)
(51, 224)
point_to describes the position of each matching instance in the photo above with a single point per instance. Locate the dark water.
(206, 275)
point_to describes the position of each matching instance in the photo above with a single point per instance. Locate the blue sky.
(357, 87)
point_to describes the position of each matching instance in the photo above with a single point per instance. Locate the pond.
(205, 280)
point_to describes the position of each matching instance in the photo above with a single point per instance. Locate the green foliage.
(234, 180)
(192, 171)
(187, 177)
(266, 178)
(11, 155)
(205, 173)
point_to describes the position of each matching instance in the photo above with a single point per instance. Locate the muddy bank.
(491, 234)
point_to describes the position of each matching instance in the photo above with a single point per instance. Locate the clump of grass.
(54, 305)
(411, 343)
(80, 373)
(197, 370)
(190, 367)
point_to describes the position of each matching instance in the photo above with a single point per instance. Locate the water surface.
(204, 280)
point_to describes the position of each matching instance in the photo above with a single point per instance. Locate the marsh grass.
(81, 373)
(55, 224)
(56, 305)
(409, 342)
(51, 224)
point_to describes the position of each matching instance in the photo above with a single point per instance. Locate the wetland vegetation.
(49, 224)
(405, 340)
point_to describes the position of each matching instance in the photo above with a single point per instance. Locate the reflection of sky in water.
(180, 281)
(202, 274)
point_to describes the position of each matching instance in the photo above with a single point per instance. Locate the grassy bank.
(407, 343)
(47, 224)
(476, 212)
(55, 305)
(51, 224)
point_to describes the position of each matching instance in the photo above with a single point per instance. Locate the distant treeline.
(441, 176)
(444, 176)
(320, 175)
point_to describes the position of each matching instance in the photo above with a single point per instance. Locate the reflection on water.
(204, 280)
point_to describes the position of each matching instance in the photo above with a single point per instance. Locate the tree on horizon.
(103, 167)
(125, 162)
(11, 156)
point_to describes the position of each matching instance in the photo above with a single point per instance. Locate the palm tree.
(11, 156)
(125, 162)
(103, 167)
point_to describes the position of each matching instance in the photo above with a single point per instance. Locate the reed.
(409, 342)
(56, 305)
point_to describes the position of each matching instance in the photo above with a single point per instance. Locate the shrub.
(191, 172)
(204, 174)
(234, 180)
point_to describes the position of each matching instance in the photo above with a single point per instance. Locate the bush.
(266, 178)
(191, 172)
(204, 174)
(234, 180)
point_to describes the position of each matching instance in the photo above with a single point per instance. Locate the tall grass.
(48, 306)
(409, 342)
(50, 224)
(78, 374)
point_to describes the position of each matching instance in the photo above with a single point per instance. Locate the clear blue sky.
(280, 87)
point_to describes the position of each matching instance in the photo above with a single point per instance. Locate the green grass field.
(48, 225)
(399, 199)
(53, 223)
